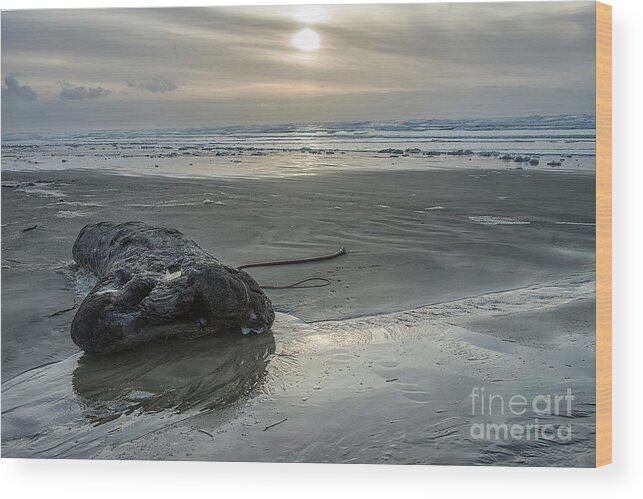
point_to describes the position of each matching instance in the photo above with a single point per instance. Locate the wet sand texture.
(453, 279)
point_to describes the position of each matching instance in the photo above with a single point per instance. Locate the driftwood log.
(154, 284)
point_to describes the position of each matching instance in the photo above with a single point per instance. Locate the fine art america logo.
(537, 410)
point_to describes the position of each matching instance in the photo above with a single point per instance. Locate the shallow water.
(390, 388)
(358, 382)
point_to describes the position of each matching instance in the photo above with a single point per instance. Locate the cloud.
(79, 93)
(154, 85)
(379, 62)
(12, 89)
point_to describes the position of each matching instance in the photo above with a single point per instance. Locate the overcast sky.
(162, 68)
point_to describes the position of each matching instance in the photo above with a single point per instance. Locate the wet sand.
(453, 280)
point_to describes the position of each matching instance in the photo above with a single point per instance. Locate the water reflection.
(202, 374)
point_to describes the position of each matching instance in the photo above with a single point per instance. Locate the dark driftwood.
(155, 283)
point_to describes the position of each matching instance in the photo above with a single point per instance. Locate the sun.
(306, 40)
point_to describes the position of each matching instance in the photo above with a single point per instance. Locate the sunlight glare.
(306, 40)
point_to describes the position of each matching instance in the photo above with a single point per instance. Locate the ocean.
(294, 149)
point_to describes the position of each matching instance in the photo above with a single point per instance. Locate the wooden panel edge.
(603, 234)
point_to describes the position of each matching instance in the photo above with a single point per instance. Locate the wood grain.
(603, 234)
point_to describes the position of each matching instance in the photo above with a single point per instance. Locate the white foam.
(42, 192)
(495, 220)
(167, 204)
(135, 395)
(576, 223)
(71, 214)
(81, 203)
(84, 282)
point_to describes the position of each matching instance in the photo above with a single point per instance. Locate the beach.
(480, 275)
(341, 234)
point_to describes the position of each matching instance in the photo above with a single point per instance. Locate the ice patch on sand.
(494, 220)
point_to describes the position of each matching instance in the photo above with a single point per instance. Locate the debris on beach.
(205, 432)
(275, 424)
(63, 311)
(155, 283)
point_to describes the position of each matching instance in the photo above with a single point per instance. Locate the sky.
(68, 70)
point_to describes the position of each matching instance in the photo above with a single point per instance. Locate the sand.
(453, 280)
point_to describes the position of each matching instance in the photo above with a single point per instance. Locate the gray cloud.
(12, 89)
(376, 61)
(154, 85)
(80, 93)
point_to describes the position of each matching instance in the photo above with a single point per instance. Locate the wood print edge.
(603, 234)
